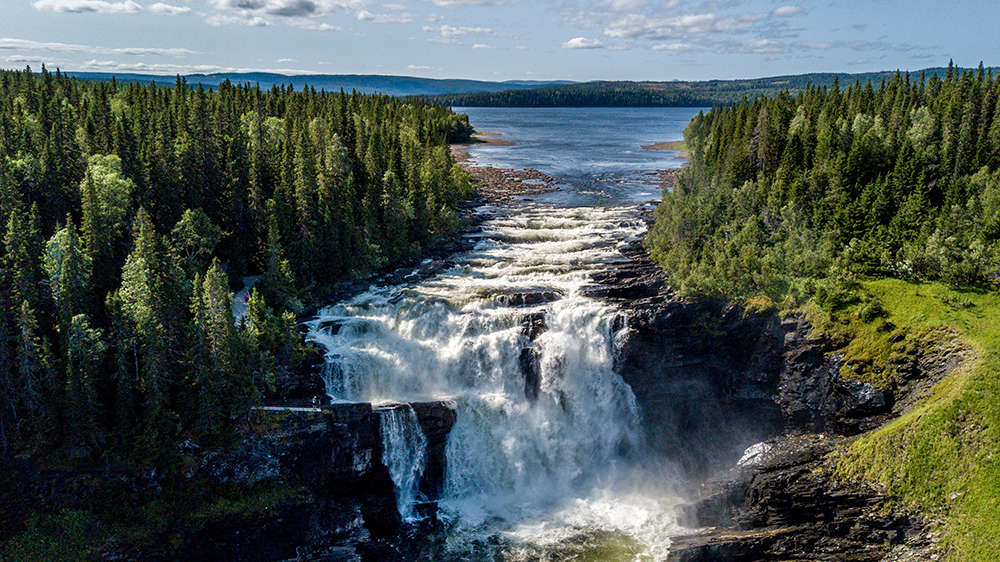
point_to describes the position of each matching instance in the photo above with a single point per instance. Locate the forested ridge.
(131, 210)
(661, 94)
(896, 179)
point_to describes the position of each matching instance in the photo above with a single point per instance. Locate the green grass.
(942, 457)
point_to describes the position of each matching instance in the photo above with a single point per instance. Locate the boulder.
(528, 298)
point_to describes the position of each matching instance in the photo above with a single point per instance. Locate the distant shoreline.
(458, 151)
(679, 146)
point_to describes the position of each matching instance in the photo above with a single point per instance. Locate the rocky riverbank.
(497, 186)
(337, 498)
(750, 409)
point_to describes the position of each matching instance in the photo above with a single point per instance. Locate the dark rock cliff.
(340, 500)
(748, 406)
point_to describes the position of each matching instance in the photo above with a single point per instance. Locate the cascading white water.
(403, 454)
(541, 464)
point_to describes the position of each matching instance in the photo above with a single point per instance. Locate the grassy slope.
(943, 457)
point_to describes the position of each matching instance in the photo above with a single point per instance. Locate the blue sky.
(499, 39)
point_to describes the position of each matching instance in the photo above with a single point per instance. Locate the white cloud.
(101, 6)
(287, 8)
(24, 45)
(101, 64)
(760, 46)
(311, 25)
(582, 43)
(287, 60)
(219, 20)
(674, 47)
(465, 3)
(22, 58)
(152, 68)
(365, 15)
(751, 46)
(817, 46)
(450, 35)
(450, 32)
(394, 7)
(788, 11)
(104, 65)
(624, 5)
(638, 26)
(162, 9)
(484, 47)
(695, 26)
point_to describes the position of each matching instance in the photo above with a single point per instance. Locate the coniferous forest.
(130, 213)
(900, 179)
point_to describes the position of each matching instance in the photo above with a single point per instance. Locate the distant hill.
(526, 93)
(399, 86)
(664, 94)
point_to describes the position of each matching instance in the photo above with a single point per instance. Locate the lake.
(595, 152)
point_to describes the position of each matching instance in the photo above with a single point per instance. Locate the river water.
(546, 460)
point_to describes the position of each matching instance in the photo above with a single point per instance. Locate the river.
(546, 460)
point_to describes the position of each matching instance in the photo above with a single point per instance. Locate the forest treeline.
(660, 94)
(130, 211)
(898, 179)
(590, 94)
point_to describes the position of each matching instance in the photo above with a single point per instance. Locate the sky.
(499, 40)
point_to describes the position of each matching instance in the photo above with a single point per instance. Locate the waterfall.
(547, 445)
(404, 447)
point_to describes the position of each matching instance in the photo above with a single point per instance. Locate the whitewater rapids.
(553, 469)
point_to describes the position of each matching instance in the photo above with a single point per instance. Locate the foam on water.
(404, 446)
(542, 475)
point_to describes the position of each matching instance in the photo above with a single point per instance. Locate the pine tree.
(84, 358)
(224, 380)
(68, 271)
(151, 328)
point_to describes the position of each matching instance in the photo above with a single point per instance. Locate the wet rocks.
(785, 504)
(336, 495)
(751, 406)
(521, 299)
(340, 499)
(705, 376)
(497, 186)
(637, 280)
(529, 361)
(435, 420)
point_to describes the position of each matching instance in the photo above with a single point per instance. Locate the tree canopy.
(899, 179)
(129, 211)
